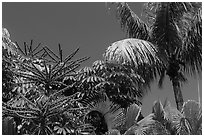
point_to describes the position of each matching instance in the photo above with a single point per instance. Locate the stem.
(177, 93)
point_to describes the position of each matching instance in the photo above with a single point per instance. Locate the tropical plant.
(101, 113)
(164, 119)
(118, 82)
(128, 123)
(39, 104)
(186, 122)
(172, 33)
(109, 118)
(8, 51)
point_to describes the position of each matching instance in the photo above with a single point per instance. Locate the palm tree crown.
(174, 32)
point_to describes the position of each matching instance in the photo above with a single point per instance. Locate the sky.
(90, 26)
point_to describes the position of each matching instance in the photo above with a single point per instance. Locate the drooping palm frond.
(170, 30)
(170, 26)
(165, 31)
(149, 11)
(131, 51)
(192, 47)
(139, 54)
(161, 79)
(131, 23)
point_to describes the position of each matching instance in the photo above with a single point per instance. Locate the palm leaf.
(132, 115)
(130, 22)
(141, 127)
(107, 108)
(158, 111)
(192, 47)
(173, 117)
(193, 113)
(131, 51)
(139, 54)
(161, 79)
(127, 119)
(165, 31)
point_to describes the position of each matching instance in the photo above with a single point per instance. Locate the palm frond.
(161, 79)
(173, 117)
(107, 109)
(149, 11)
(154, 128)
(130, 22)
(141, 127)
(158, 111)
(193, 113)
(192, 47)
(165, 31)
(131, 51)
(125, 119)
(132, 115)
(139, 54)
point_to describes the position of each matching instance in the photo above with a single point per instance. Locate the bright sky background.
(90, 26)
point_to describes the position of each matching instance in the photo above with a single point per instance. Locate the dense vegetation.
(44, 93)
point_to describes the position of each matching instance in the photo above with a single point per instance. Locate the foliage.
(173, 30)
(39, 106)
(164, 119)
(118, 82)
(138, 54)
(127, 123)
(186, 122)
(101, 114)
(44, 94)
(8, 51)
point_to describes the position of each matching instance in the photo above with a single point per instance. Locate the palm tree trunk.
(177, 93)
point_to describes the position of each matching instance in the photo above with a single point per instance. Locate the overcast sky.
(90, 26)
